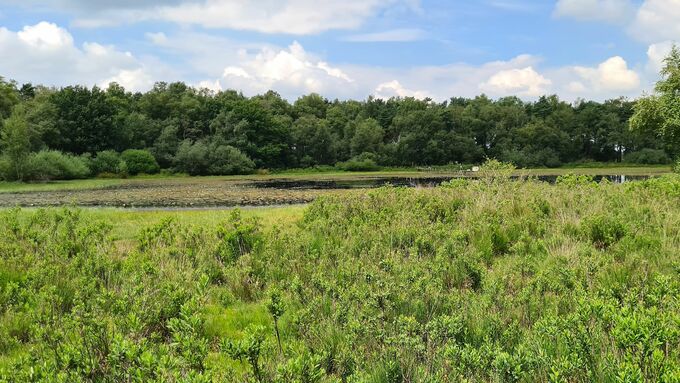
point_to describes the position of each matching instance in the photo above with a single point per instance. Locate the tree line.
(197, 131)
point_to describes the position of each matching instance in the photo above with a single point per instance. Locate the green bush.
(647, 157)
(139, 161)
(204, 158)
(107, 161)
(604, 230)
(361, 163)
(54, 165)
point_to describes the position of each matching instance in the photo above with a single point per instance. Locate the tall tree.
(660, 113)
(15, 142)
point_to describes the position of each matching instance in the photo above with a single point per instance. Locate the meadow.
(488, 279)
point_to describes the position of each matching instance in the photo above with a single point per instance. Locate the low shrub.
(362, 163)
(107, 161)
(647, 156)
(54, 165)
(139, 161)
(604, 231)
(204, 158)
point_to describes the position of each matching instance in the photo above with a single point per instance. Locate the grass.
(127, 223)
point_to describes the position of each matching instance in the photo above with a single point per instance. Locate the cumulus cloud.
(611, 75)
(395, 89)
(46, 53)
(610, 11)
(657, 20)
(657, 53)
(289, 70)
(523, 82)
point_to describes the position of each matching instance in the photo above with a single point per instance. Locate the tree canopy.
(204, 132)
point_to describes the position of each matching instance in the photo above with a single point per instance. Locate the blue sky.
(594, 49)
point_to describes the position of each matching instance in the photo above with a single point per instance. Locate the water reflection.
(374, 182)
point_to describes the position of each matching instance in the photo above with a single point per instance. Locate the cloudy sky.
(594, 49)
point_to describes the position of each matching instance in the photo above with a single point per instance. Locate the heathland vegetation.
(77, 132)
(477, 280)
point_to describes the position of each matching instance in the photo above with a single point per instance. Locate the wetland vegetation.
(475, 280)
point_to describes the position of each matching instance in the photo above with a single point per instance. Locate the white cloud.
(297, 17)
(45, 35)
(657, 20)
(657, 53)
(611, 75)
(610, 11)
(215, 86)
(524, 82)
(45, 53)
(291, 71)
(395, 89)
(135, 79)
(394, 35)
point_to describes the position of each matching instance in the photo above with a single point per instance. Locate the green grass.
(127, 223)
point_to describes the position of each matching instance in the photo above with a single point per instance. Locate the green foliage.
(219, 133)
(575, 180)
(604, 231)
(490, 282)
(107, 161)
(8, 98)
(54, 165)
(15, 143)
(201, 158)
(648, 156)
(361, 163)
(493, 170)
(139, 161)
(660, 113)
(237, 237)
(248, 349)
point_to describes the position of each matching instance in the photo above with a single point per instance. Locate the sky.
(591, 49)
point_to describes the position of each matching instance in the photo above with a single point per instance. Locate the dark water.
(363, 183)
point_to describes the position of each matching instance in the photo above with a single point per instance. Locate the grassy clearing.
(127, 223)
(476, 281)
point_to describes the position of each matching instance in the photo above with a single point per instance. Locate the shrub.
(575, 180)
(226, 160)
(361, 163)
(494, 170)
(192, 158)
(54, 165)
(676, 166)
(139, 161)
(647, 156)
(107, 161)
(604, 231)
(202, 158)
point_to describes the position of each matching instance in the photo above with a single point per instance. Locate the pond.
(375, 182)
(206, 193)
